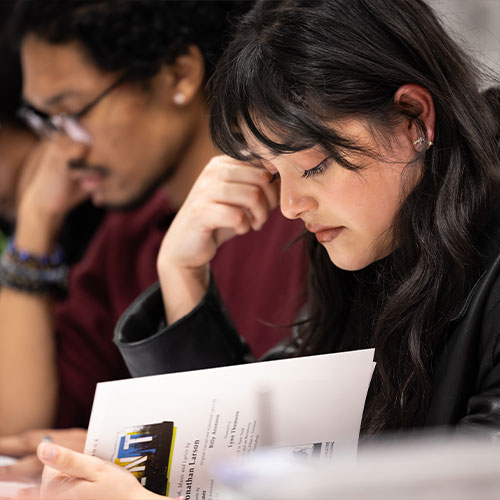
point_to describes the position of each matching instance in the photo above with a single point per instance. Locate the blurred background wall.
(477, 24)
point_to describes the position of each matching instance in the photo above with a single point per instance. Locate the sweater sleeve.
(204, 338)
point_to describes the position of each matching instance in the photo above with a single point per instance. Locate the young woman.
(370, 122)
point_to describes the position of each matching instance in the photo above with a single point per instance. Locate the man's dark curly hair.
(133, 36)
(10, 72)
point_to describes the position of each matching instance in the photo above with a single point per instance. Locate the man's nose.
(295, 201)
(75, 153)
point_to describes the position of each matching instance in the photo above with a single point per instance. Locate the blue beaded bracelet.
(56, 258)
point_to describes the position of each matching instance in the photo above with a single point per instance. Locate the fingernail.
(48, 451)
(274, 177)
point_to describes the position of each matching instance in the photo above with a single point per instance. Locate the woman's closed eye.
(317, 170)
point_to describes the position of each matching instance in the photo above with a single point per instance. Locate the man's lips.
(89, 181)
(89, 178)
(324, 234)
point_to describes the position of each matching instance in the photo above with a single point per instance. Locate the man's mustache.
(80, 166)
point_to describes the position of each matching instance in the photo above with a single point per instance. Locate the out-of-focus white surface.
(476, 24)
(438, 467)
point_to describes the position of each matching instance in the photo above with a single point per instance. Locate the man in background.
(19, 150)
(119, 89)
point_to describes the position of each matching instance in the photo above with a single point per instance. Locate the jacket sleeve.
(204, 338)
(483, 408)
(483, 415)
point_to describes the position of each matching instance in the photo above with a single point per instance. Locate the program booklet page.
(169, 430)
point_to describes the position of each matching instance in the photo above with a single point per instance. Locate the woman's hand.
(229, 198)
(70, 475)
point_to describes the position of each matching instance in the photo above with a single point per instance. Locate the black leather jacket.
(466, 380)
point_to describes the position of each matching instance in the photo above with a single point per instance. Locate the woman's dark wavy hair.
(295, 66)
(133, 36)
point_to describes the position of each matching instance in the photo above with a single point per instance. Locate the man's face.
(136, 135)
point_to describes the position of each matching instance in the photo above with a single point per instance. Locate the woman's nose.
(295, 202)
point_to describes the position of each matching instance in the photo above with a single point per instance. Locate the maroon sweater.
(259, 278)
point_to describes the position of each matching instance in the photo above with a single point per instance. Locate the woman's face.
(350, 212)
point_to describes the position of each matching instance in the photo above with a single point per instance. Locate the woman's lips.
(325, 234)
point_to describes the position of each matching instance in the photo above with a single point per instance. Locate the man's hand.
(47, 193)
(24, 445)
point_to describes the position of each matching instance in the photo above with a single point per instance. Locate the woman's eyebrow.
(255, 161)
(261, 163)
(326, 158)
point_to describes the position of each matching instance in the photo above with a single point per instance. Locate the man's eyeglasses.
(46, 125)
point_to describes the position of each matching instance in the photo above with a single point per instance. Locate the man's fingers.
(70, 462)
(27, 468)
(27, 442)
(20, 444)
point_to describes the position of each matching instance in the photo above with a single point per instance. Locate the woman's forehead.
(352, 129)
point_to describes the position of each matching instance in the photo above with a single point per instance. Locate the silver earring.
(179, 98)
(422, 144)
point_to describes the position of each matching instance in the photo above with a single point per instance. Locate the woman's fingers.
(229, 198)
(229, 182)
(70, 475)
(61, 486)
(247, 196)
(194, 249)
(248, 174)
(68, 461)
(229, 172)
(29, 493)
(26, 468)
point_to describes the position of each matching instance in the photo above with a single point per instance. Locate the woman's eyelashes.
(312, 172)
(317, 170)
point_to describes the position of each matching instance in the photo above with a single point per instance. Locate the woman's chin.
(349, 261)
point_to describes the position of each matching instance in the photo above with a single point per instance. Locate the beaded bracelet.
(29, 273)
(56, 258)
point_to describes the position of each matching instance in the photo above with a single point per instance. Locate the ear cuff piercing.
(421, 142)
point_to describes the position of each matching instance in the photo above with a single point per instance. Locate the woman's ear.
(419, 100)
